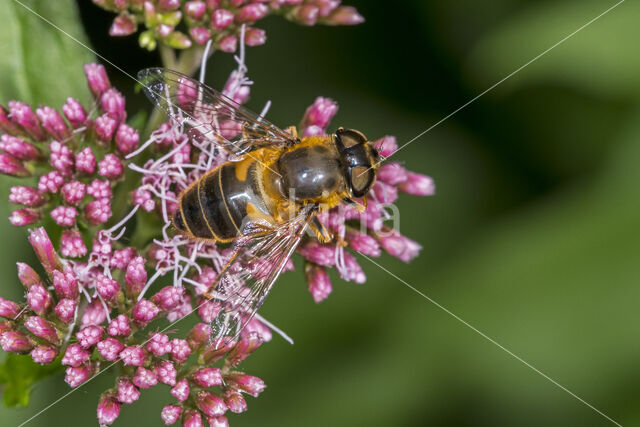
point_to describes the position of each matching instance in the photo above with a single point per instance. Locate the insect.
(264, 200)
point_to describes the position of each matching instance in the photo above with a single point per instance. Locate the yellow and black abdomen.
(215, 207)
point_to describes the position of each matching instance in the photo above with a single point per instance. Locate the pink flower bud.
(97, 78)
(108, 410)
(208, 310)
(19, 148)
(144, 312)
(105, 127)
(192, 419)
(214, 351)
(24, 217)
(170, 414)
(210, 404)
(53, 123)
(127, 392)
(133, 356)
(22, 115)
(75, 113)
(75, 355)
(165, 372)
(158, 344)
(228, 44)
(135, 277)
(392, 174)
(324, 255)
(122, 257)
(247, 383)
(252, 12)
(9, 309)
(64, 216)
(220, 421)
(243, 349)
(198, 336)
(100, 189)
(110, 349)
(15, 342)
(65, 283)
(27, 275)
(51, 182)
(418, 185)
(73, 192)
(6, 124)
(180, 350)
(320, 113)
(94, 313)
(119, 326)
(399, 246)
(256, 327)
(144, 378)
(221, 19)
(44, 354)
(306, 14)
(72, 245)
(86, 161)
(44, 249)
(110, 167)
(112, 103)
(123, 25)
(127, 139)
(9, 165)
(255, 37)
(76, 375)
(168, 5)
(98, 212)
(65, 310)
(108, 289)
(344, 15)
(234, 401)
(386, 146)
(89, 336)
(39, 299)
(351, 270)
(363, 243)
(42, 329)
(200, 35)
(168, 297)
(208, 377)
(195, 9)
(319, 283)
(181, 390)
(143, 198)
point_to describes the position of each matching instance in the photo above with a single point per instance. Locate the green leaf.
(39, 63)
(601, 58)
(18, 374)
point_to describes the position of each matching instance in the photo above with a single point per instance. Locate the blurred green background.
(533, 236)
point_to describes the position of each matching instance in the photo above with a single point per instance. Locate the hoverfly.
(262, 201)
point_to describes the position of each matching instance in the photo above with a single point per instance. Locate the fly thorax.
(310, 172)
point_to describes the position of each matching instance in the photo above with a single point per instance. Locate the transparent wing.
(244, 283)
(208, 114)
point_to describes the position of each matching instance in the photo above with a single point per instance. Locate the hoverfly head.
(360, 160)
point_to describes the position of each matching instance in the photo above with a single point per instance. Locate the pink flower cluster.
(79, 159)
(217, 20)
(104, 302)
(91, 320)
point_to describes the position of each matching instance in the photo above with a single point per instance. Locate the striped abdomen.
(215, 207)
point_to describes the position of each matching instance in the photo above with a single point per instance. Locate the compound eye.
(350, 138)
(361, 180)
